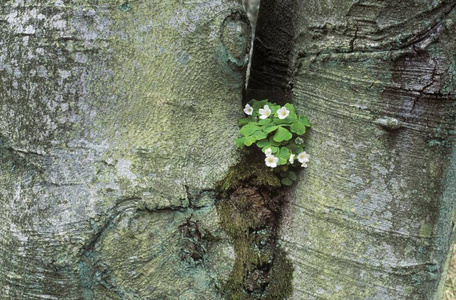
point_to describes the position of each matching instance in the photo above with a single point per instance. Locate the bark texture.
(373, 215)
(116, 120)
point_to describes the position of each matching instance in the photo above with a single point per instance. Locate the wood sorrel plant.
(278, 132)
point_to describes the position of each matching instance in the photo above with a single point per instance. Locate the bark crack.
(423, 92)
(352, 41)
(419, 42)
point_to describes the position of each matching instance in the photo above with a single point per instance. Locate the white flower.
(283, 113)
(303, 157)
(304, 165)
(265, 112)
(292, 157)
(248, 109)
(268, 151)
(271, 161)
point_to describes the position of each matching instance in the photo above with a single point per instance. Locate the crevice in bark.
(412, 102)
(196, 242)
(423, 90)
(270, 73)
(352, 41)
(251, 197)
(250, 209)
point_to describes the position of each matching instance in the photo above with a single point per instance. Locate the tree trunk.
(372, 217)
(116, 121)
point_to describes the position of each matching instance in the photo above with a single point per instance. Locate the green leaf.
(283, 174)
(282, 161)
(259, 135)
(262, 143)
(285, 153)
(292, 117)
(298, 128)
(274, 150)
(240, 142)
(292, 146)
(292, 175)
(304, 120)
(248, 129)
(249, 140)
(256, 105)
(282, 134)
(286, 181)
(264, 121)
(269, 129)
(290, 107)
(274, 108)
(244, 121)
(279, 121)
(273, 143)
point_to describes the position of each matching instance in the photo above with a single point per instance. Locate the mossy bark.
(372, 217)
(250, 204)
(117, 118)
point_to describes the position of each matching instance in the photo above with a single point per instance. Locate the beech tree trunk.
(118, 119)
(372, 217)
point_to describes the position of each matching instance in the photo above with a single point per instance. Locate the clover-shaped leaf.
(282, 134)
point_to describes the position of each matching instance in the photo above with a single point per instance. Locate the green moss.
(249, 214)
(255, 250)
(249, 169)
(426, 230)
(282, 275)
(237, 224)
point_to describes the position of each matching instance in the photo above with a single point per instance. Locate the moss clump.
(250, 213)
(280, 286)
(250, 169)
(247, 222)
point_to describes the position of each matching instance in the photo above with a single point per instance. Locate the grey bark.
(373, 215)
(118, 118)
(116, 121)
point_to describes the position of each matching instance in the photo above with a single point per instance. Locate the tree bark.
(116, 121)
(373, 215)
